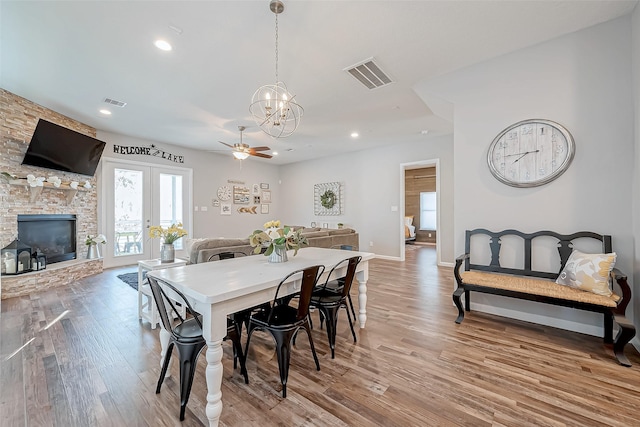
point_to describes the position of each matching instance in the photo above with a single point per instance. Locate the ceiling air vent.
(114, 102)
(369, 74)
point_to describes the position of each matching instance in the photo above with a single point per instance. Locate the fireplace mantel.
(34, 192)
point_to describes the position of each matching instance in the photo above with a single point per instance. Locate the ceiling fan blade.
(260, 148)
(266, 156)
(224, 143)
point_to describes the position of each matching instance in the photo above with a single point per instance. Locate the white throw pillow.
(588, 272)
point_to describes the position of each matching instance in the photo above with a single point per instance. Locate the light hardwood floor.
(412, 365)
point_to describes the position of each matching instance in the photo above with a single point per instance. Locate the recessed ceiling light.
(162, 45)
(354, 134)
(424, 132)
(105, 112)
(275, 153)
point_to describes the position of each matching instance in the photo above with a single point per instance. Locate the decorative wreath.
(328, 199)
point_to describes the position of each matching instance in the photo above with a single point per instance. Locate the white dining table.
(217, 289)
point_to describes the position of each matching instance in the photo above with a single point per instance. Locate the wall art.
(327, 199)
(240, 195)
(266, 196)
(251, 210)
(264, 209)
(147, 150)
(225, 209)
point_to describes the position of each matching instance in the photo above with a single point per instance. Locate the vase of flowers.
(92, 245)
(169, 236)
(275, 241)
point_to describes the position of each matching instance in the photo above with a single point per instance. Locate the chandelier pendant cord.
(277, 49)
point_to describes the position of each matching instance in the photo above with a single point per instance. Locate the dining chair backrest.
(166, 306)
(351, 273)
(226, 255)
(310, 276)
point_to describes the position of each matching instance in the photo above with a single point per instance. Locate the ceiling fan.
(241, 150)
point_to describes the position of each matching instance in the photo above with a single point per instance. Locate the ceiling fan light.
(240, 155)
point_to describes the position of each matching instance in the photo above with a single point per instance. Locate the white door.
(138, 196)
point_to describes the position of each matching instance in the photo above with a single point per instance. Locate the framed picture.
(255, 189)
(264, 185)
(313, 224)
(256, 200)
(264, 209)
(240, 195)
(266, 196)
(225, 209)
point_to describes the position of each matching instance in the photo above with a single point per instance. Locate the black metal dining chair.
(240, 317)
(284, 321)
(328, 300)
(339, 282)
(186, 335)
(226, 255)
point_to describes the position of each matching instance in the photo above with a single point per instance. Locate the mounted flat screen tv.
(55, 147)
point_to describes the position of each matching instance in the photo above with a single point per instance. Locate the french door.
(137, 196)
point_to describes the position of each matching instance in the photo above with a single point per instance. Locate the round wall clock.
(531, 153)
(224, 192)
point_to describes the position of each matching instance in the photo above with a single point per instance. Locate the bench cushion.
(535, 286)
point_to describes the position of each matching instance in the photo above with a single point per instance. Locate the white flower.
(87, 184)
(91, 240)
(55, 181)
(273, 233)
(35, 182)
(74, 185)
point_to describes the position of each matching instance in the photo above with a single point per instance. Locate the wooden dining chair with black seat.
(284, 321)
(186, 335)
(328, 301)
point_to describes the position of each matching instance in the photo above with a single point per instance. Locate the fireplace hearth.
(51, 235)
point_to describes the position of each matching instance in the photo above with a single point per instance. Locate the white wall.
(582, 81)
(371, 186)
(635, 57)
(210, 170)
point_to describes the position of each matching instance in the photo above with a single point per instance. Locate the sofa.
(200, 250)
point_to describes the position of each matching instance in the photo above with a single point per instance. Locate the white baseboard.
(446, 264)
(387, 257)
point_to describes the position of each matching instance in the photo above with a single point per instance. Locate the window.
(428, 211)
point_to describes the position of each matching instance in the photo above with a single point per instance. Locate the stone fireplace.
(18, 120)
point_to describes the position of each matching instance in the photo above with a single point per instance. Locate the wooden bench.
(525, 283)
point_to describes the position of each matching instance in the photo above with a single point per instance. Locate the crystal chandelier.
(273, 108)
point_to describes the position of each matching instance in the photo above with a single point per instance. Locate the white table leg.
(362, 277)
(214, 324)
(214, 382)
(139, 292)
(164, 343)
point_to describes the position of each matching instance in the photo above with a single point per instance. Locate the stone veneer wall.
(18, 120)
(20, 285)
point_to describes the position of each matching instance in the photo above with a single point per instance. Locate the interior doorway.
(420, 204)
